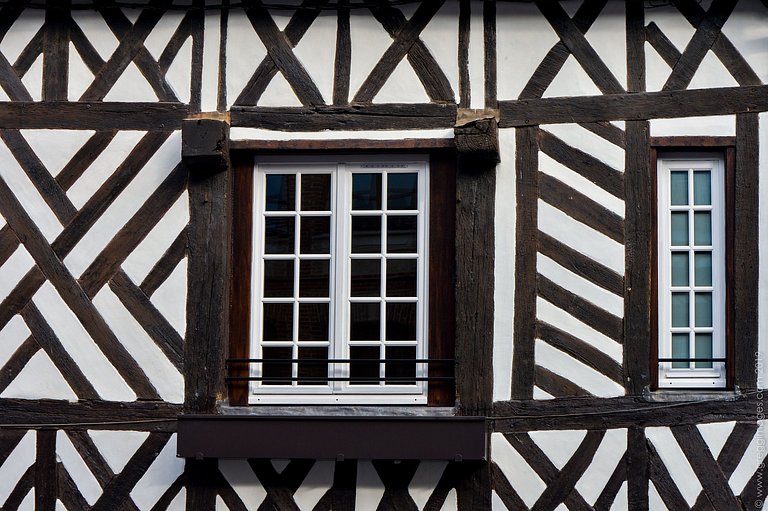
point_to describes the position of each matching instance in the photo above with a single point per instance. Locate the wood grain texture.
(56, 52)
(25, 114)
(68, 492)
(166, 264)
(489, 44)
(612, 486)
(46, 489)
(661, 43)
(663, 482)
(343, 59)
(200, 476)
(555, 384)
(637, 469)
(465, 88)
(607, 131)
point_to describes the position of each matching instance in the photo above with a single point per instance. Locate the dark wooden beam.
(477, 143)
(56, 51)
(205, 145)
(46, 490)
(358, 144)
(92, 116)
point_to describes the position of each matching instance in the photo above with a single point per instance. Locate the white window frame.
(691, 377)
(342, 168)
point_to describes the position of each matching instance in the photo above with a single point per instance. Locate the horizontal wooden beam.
(356, 144)
(617, 412)
(392, 116)
(634, 106)
(92, 116)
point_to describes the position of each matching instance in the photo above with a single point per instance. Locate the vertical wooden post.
(56, 51)
(46, 490)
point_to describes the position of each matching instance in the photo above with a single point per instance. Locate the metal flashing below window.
(332, 437)
(690, 395)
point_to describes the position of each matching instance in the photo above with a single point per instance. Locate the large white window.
(691, 271)
(339, 280)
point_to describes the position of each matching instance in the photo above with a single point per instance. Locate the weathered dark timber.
(612, 486)
(221, 102)
(637, 256)
(200, 476)
(663, 482)
(635, 106)
(207, 291)
(11, 83)
(505, 490)
(527, 170)
(754, 490)
(205, 145)
(179, 37)
(477, 144)
(607, 131)
(556, 385)
(343, 59)
(23, 486)
(735, 447)
(8, 244)
(56, 52)
(341, 495)
(68, 493)
(29, 54)
(17, 361)
(166, 264)
(615, 412)
(281, 487)
(393, 116)
(635, 46)
(580, 207)
(450, 479)
(45, 470)
(489, 40)
(699, 143)
(84, 157)
(661, 43)
(85, 48)
(637, 469)
(465, 16)
(473, 490)
(196, 29)
(91, 456)
(396, 478)
(91, 116)
(358, 144)
(9, 440)
(746, 250)
(580, 264)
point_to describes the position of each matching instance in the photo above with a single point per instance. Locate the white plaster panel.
(369, 488)
(476, 56)
(55, 148)
(318, 481)
(79, 345)
(244, 53)
(621, 503)
(279, 93)
(580, 286)
(125, 206)
(103, 166)
(745, 28)
(504, 267)
(753, 458)
(86, 483)
(80, 77)
(262, 134)
(655, 501)
(607, 36)
(402, 86)
(556, 316)
(117, 447)
(179, 503)
(13, 270)
(520, 475)
(12, 335)
(20, 459)
(441, 37)
(572, 80)
(27, 195)
(678, 31)
(581, 374)
(179, 75)
(131, 87)
(425, 481)
(131, 14)
(242, 479)
(712, 73)
(558, 446)
(97, 31)
(39, 379)
(28, 504)
(209, 94)
(523, 38)
(581, 238)
(590, 143)
(161, 34)
(496, 503)
(317, 52)
(33, 80)
(762, 320)
(369, 41)
(677, 464)
(160, 371)
(171, 298)
(715, 435)
(451, 501)
(656, 69)
(141, 261)
(21, 33)
(160, 475)
(607, 458)
(541, 394)
(715, 125)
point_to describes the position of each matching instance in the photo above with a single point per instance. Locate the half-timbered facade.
(354, 254)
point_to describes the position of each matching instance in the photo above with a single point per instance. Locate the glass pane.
(364, 365)
(702, 187)
(401, 234)
(366, 277)
(678, 182)
(401, 277)
(276, 365)
(402, 190)
(703, 268)
(312, 366)
(314, 278)
(313, 322)
(680, 303)
(702, 228)
(704, 349)
(366, 234)
(315, 235)
(364, 322)
(401, 321)
(400, 365)
(680, 347)
(316, 192)
(278, 235)
(278, 278)
(281, 192)
(679, 268)
(366, 191)
(704, 309)
(680, 228)
(277, 323)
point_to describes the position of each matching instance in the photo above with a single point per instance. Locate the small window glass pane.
(680, 303)
(276, 368)
(364, 365)
(281, 192)
(366, 277)
(679, 187)
(315, 235)
(277, 323)
(400, 365)
(704, 349)
(402, 190)
(313, 366)
(680, 347)
(702, 228)
(278, 278)
(278, 235)
(364, 321)
(366, 234)
(704, 309)
(679, 268)
(314, 278)
(313, 322)
(702, 187)
(680, 228)
(401, 234)
(401, 321)
(703, 268)
(315, 192)
(366, 191)
(401, 277)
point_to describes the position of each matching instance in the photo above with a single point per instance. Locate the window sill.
(681, 395)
